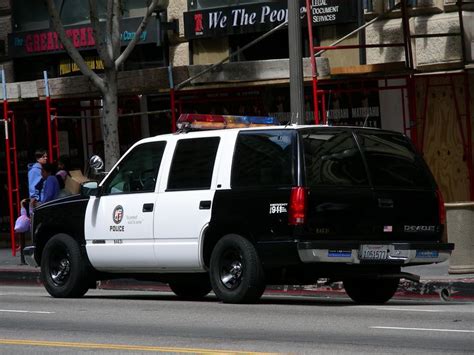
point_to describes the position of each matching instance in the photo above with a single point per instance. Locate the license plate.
(374, 252)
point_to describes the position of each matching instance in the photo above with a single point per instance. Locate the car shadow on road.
(339, 301)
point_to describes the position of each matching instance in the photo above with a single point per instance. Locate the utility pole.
(296, 62)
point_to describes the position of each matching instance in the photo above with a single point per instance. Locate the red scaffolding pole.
(11, 157)
(317, 50)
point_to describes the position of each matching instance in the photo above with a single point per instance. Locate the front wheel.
(371, 291)
(63, 268)
(236, 271)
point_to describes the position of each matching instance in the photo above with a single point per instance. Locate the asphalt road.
(124, 322)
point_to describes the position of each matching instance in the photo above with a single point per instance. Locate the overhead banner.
(249, 18)
(25, 44)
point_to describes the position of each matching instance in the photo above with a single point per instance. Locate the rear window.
(332, 158)
(392, 161)
(263, 158)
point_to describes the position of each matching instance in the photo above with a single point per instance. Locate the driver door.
(119, 229)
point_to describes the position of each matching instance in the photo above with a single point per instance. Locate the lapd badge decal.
(117, 217)
(118, 214)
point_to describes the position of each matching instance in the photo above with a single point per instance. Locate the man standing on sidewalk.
(34, 174)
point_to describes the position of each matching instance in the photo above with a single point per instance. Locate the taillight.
(441, 208)
(297, 209)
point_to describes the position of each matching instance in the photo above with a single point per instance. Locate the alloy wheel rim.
(231, 269)
(60, 268)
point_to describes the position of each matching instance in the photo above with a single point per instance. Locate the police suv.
(234, 210)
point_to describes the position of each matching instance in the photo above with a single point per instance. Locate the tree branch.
(69, 47)
(99, 38)
(138, 33)
(115, 34)
(108, 32)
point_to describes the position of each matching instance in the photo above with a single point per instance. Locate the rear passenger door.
(185, 202)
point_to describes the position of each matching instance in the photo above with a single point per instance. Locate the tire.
(63, 268)
(236, 271)
(192, 288)
(371, 291)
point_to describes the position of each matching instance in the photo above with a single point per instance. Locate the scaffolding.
(411, 123)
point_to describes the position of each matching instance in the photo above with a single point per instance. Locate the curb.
(443, 289)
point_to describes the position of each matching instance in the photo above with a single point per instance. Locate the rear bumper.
(394, 253)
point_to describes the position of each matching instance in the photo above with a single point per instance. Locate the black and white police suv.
(234, 210)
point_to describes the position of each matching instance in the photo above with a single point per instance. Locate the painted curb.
(444, 289)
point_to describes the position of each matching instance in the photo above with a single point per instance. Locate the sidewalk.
(435, 282)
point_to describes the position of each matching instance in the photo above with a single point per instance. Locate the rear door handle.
(385, 203)
(148, 207)
(205, 205)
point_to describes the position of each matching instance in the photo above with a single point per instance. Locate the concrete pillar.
(460, 223)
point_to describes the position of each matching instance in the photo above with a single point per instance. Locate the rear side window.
(263, 158)
(332, 158)
(393, 162)
(193, 164)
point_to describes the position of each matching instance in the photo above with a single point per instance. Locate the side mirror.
(90, 188)
(96, 163)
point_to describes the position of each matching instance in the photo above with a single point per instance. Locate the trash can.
(460, 223)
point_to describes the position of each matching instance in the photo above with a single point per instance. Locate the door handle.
(205, 205)
(385, 203)
(148, 207)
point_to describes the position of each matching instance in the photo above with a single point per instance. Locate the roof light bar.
(197, 121)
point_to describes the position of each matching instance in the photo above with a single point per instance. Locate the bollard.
(460, 223)
(22, 246)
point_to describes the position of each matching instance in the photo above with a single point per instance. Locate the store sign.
(260, 17)
(23, 44)
(68, 66)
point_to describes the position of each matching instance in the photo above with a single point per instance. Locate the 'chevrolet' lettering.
(420, 228)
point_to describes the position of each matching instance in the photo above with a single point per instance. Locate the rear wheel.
(371, 291)
(63, 268)
(192, 288)
(236, 271)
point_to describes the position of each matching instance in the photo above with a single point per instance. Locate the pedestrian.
(63, 174)
(50, 190)
(34, 174)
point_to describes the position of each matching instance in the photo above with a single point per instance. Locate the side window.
(193, 164)
(138, 170)
(263, 159)
(393, 162)
(333, 158)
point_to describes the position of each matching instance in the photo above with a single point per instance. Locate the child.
(51, 188)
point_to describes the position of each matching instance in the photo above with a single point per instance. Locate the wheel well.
(212, 237)
(43, 236)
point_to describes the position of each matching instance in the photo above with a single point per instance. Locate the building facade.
(425, 95)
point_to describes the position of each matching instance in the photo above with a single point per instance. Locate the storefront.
(34, 49)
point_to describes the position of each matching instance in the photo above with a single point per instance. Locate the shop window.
(29, 15)
(273, 47)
